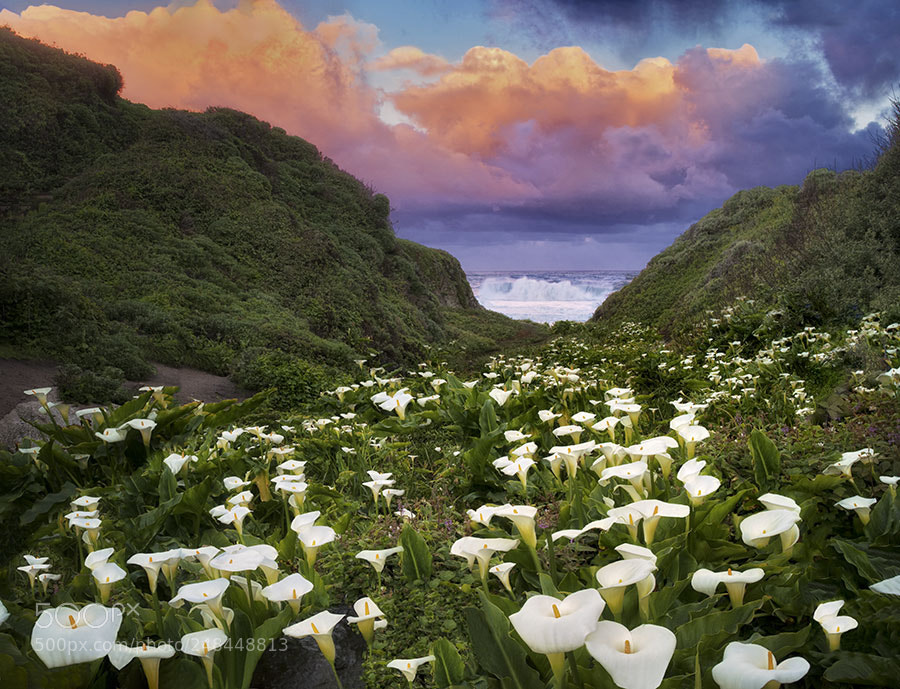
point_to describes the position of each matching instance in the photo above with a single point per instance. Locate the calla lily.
(105, 576)
(572, 430)
(98, 558)
(111, 435)
(303, 521)
(689, 469)
(748, 666)
(518, 468)
(314, 538)
(148, 654)
(319, 627)
(207, 592)
(547, 415)
(500, 396)
(607, 424)
(85, 502)
(66, 636)
(691, 435)
(32, 571)
(91, 528)
(153, 562)
(654, 510)
(203, 556)
(826, 614)
(635, 659)
(889, 587)
(145, 426)
(4, 613)
(46, 578)
(482, 515)
(774, 501)
(706, 581)
(204, 644)
(502, 572)
(862, 506)
(39, 393)
(514, 436)
(700, 486)
(237, 560)
(290, 589)
(391, 493)
(482, 550)
(243, 498)
(523, 517)
(235, 516)
(633, 472)
(367, 612)
(377, 558)
(757, 529)
(234, 482)
(554, 627)
(409, 666)
(176, 462)
(398, 402)
(292, 466)
(616, 576)
(601, 524)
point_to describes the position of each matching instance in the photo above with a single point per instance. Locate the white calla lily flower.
(749, 666)
(635, 659)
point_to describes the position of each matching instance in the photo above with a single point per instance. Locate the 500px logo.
(91, 616)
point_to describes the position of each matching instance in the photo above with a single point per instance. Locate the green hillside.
(212, 239)
(826, 252)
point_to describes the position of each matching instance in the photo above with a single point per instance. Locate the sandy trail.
(17, 375)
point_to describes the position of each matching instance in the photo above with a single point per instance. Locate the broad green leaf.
(263, 634)
(864, 669)
(784, 643)
(416, 558)
(690, 634)
(858, 558)
(47, 503)
(495, 649)
(168, 484)
(487, 420)
(766, 460)
(448, 668)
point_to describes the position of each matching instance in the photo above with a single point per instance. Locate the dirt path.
(17, 375)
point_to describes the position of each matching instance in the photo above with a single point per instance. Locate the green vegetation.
(209, 240)
(810, 417)
(823, 253)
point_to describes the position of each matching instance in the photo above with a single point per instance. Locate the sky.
(521, 134)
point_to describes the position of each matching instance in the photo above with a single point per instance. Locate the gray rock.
(299, 664)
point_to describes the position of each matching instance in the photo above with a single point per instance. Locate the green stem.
(336, 678)
(535, 559)
(576, 673)
(551, 552)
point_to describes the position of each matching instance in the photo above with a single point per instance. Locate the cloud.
(858, 42)
(556, 147)
(412, 58)
(258, 58)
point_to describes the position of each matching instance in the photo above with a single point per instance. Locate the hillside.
(210, 240)
(826, 252)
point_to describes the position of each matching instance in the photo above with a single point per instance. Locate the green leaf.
(766, 459)
(234, 411)
(416, 558)
(495, 649)
(864, 669)
(168, 485)
(267, 631)
(47, 503)
(487, 420)
(690, 634)
(856, 557)
(784, 643)
(149, 524)
(448, 668)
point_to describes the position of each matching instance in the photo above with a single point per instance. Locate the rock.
(291, 663)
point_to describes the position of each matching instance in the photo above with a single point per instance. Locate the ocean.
(547, 296)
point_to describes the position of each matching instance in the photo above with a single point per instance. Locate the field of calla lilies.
(607, 512)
